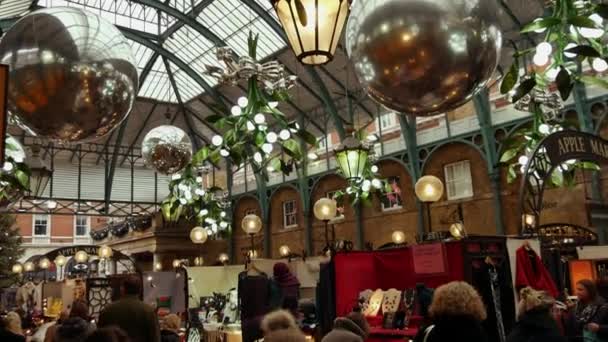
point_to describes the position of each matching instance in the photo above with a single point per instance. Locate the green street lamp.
(352, 157)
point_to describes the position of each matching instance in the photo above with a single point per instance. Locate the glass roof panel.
(157, 85)
(119, 12)
(13, 8)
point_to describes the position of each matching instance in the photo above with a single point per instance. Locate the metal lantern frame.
(352, 157)
(41, 173)
(313, 28)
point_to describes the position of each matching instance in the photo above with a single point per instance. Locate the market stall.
(165, 291)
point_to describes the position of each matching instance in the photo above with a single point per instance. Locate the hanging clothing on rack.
(531, 272)
(254, 298)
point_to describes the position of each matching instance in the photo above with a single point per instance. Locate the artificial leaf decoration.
(564, 83)
(14, 182)
(584, 50)
(581, 21)
(510, 79)
(524, 88)
(540, 24)
(255, 132)
(594, 81)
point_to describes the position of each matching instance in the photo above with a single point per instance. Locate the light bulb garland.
(188, 199)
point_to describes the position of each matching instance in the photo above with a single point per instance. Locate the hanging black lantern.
(41, 173)
(313, 27)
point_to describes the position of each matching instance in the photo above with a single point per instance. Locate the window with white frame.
(82, 225)
(41, 225)
(289, 214)
(339, 208)
(387, 121)
(392, 199)
(458, 180)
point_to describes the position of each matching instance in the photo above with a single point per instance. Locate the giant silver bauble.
(72, 75)
(166, 149)
(423, 57)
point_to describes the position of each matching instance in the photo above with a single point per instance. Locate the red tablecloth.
(379, 334)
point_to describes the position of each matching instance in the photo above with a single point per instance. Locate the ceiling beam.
(180, 64)
(350, 96)
(196, 10)
(202, 121)
(192, 22)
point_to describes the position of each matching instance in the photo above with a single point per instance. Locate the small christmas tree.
(10, 249)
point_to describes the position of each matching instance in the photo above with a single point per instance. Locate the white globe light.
(243, 102)
(81, 257)
(60, 260)
(204, 212)
(198, 235)
(569, 54)
(284, 251)
(599, 65)
(223, 214)
(398, 237)
(325, 209)
(591, 33)
(374, 168)
(313, 156)
(273, 104)
(251, 224)
(8, 166)
(523, 160)
(259, 118)
(544, 129)
(429, 189)
(217, 140)
(250, 126)
(540, 60)
(544, 48)
(28, 266)
(224, 224)
(267, 148)
(257, 157)
(271, 137)
(105, 252)
(366, 186)
(224, 153)
(284, 134)
(376, 183)
(236, 110)
(44, 263)
(223, 258)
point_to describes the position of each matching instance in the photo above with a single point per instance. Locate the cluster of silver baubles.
(72, 75)
(166, 149)
(423, 57)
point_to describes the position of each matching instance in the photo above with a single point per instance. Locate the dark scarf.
(283, 276)
(584, 314)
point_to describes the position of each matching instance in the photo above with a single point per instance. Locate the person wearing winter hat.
(352, 328)
(289, 285)
(535, 322)
(280, 326)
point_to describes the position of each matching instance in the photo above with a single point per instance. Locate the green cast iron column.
(408, 130)
(484, 116)
(581, 104)
(265, 211)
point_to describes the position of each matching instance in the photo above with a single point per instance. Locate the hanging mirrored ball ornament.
(72, 74)
(423, 57)
(166, 149)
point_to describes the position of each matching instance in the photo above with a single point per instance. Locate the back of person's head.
(73, 329)
(79, 309)
(12, 323)
(108, 334)
(531, 299)
(131, 285)
(172, 322)
(278, 320)
(457, 298)
(360, 321)
(280, 326)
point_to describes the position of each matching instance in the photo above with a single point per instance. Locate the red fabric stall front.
(358, 271)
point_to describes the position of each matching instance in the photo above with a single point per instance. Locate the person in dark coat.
(10, 328)
(535, 322)
(352, 328)
(109, 334)
(590, 314)
(456, 314)
(289, 285)
(132, 315)
(74, 329)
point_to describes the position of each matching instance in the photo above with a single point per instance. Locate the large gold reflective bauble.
(423, 57)
(72, 75)
(166, 149)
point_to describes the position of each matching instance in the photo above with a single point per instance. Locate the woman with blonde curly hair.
(456, 313)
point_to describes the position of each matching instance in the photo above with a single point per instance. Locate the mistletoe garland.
(255, 132)
(573, 34)
(188, 199)
(361, 189)
(15, 174)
